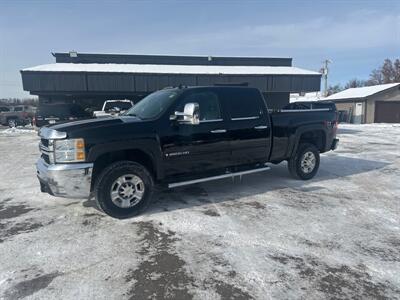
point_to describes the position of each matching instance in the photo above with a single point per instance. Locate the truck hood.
(93, 123)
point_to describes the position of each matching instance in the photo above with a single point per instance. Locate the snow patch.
(17, 130)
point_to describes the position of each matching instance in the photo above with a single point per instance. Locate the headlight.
(72, 150)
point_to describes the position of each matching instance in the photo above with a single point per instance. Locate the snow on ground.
(17, 130)
(270, 236)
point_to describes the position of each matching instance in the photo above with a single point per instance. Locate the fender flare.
(295, 138)
(150, 147)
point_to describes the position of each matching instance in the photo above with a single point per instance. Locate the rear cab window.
(243, 104)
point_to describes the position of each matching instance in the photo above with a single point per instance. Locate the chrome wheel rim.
(127, 191)
(307, 163)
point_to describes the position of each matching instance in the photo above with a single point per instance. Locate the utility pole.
(325, 71)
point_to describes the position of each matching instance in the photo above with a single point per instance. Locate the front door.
(190, 149)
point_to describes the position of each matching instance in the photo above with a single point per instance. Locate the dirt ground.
(270, 236)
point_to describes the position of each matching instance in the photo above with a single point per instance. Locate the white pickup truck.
(113, 107)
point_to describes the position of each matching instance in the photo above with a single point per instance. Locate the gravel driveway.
(269, 236)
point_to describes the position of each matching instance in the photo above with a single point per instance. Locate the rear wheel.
(124, 189)
(304, 163)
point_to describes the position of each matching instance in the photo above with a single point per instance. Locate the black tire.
(12, 123)
(104, 184)
(295, 162)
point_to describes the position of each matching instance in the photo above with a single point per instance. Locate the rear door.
(249, 126)
(198, 148)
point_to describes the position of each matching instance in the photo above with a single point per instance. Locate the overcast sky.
(356, 35)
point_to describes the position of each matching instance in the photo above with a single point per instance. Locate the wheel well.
(315, 137)
(135, 155)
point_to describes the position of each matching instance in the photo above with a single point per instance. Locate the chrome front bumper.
(65, 180)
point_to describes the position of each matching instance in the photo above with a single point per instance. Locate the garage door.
(387, 112)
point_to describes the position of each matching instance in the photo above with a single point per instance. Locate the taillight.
(335, 127)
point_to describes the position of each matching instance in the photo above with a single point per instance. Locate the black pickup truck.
(175, 137)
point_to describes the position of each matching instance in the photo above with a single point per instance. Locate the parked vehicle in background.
(57, 112)
(176, 137)
(311, 105)
(113, 107)
(5, 108)
(19, 115)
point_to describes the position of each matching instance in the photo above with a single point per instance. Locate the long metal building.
(90, 79)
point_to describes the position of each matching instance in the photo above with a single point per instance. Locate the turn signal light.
(80, 155)
(80, 144)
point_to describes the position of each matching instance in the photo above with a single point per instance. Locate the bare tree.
(375, 77)
(396, 70)
(354, 83)
(333, 89)
(388, 72)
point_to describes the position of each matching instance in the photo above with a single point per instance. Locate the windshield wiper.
(132, 115)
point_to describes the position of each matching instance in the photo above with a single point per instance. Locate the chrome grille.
(46, 158)
(46, 149)
(44, 142)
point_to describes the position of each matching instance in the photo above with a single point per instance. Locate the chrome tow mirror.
(190, 114)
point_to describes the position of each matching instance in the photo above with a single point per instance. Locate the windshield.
(153, 105)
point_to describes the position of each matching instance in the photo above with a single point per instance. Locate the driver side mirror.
(190, 114)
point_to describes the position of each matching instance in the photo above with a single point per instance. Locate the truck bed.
(286, 122)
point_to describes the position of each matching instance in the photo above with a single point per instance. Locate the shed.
(94, 78)
(370, 104)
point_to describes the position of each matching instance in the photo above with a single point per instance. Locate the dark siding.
(276, 100)
(52, 82)
(37, 82)
(172, 60)
(111, 82)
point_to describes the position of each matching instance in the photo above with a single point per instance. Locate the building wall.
(368, 115)
(346, 106)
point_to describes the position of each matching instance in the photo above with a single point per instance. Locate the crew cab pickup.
(175, 137)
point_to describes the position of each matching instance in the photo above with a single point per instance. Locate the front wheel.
(12, 123)
(304, 163)
(123, 189)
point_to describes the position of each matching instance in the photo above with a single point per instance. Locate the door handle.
(260, 127)
(218, 131)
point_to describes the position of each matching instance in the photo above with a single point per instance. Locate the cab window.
(210, 109)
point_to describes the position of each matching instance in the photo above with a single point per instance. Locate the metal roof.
(103, 58)
(361, 92)
(171, 69)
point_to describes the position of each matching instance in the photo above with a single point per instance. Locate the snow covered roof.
(171, 69)
(361, 92)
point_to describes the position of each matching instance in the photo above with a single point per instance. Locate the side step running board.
(176, 184)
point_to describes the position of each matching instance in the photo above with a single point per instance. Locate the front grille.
(46, 147)
(45, 142)
(46, 158)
